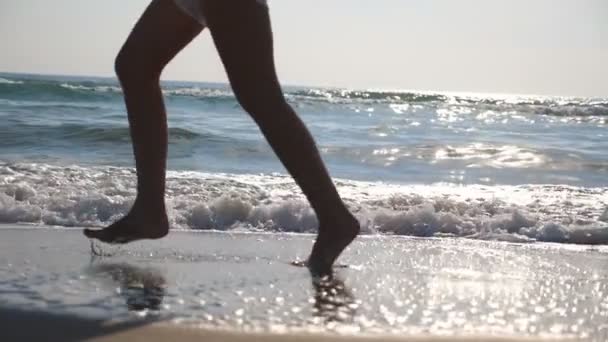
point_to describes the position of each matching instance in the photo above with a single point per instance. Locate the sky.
(549, 47)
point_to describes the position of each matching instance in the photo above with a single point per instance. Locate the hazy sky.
(557, 47)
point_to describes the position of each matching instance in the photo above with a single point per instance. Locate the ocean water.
(496, 167)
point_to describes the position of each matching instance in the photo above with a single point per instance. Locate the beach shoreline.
(228, 286)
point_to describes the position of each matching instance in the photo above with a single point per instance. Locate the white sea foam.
(96, 196)
(180, 91)
(5, 81)
(199, 92)
(99, 89)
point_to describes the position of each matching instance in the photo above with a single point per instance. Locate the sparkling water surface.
(245, 281)
(492, 167)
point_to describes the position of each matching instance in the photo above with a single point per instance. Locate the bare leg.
(161, 32)
(242, 34)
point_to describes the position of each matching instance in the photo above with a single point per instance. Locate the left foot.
(137, 225)
(332, 239)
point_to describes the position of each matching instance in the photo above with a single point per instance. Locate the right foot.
(332, 239)
(137, 225)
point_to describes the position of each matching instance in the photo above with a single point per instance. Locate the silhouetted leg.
(242, 34)
(161, 32)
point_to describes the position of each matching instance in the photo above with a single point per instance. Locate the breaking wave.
(75, 196)
(95, 91)
(26, 135)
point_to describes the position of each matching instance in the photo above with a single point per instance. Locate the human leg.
(162, 31)
(242, 34)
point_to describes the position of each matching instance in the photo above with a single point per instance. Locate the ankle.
(154, 207)
(342, 224)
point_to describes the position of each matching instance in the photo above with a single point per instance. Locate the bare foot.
(332, 239)
(139, 224)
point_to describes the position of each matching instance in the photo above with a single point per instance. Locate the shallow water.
(244, 281)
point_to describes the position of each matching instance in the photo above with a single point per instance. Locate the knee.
(134, 69)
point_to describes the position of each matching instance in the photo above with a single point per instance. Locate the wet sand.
(32, 326)
(234, 286)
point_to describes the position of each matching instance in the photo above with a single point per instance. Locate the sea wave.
(113, 134)
(32, 135)
(538, 105)
(195, 92)
(377, 96)
(98, 88)
(7, 81)
(41, 90)
(96, 196)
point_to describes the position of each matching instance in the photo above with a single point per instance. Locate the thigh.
(242, 34)
(160, 33)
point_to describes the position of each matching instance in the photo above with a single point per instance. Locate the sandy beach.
(18, 325)
(228, 286)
